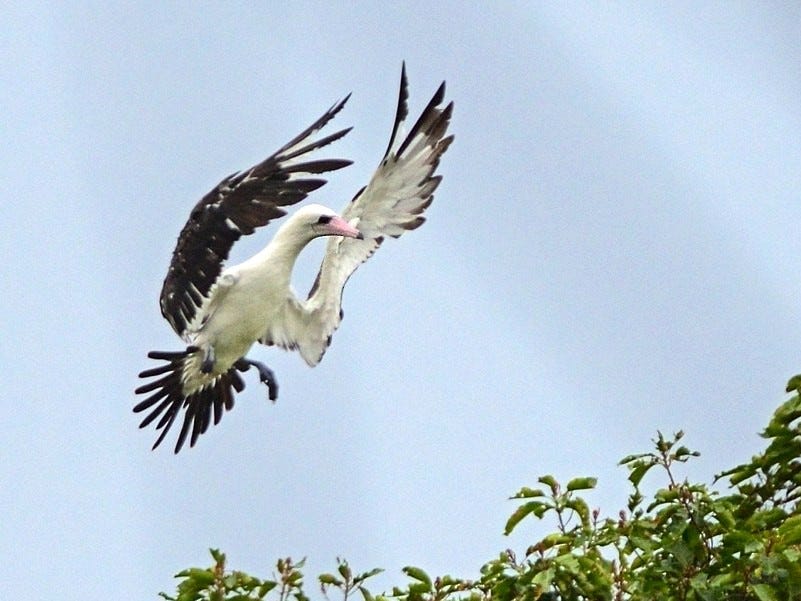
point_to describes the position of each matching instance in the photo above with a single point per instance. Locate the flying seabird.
(220, 312)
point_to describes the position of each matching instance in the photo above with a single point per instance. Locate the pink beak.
(339, 227)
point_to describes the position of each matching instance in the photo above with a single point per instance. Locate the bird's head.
(322, 221)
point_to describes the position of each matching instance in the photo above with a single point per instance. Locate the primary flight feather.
(220, 312)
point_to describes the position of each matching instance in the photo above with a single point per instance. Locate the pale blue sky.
(614, 249)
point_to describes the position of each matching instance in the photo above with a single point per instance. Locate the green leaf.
(683, 453)
(366, 594)
(738, 540)
(664, 495)
(419, 575)
(418, 588)
(638, 471)
(682, 552)
(790, 530)
(568, 561)
(794, 383)
(329, 579)
(582, 483)
(736, 476)
(217, 556)
(786, 413)
(634, 500)
(724, 579)
(200, 576)
(581, 508)
(631, 458)
(700, 584)
(266, 587)
(725, 517)
(641, 542)
(792, 555)
(528, 493)
(553, 539)
(764, 592)
(549, 481)
(366, 575)
(344, 570)
(544, 578)
(538, 508)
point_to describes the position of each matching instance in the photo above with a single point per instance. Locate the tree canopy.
(736, 538)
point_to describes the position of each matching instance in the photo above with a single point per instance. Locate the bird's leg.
(208, 360)
(266, 375)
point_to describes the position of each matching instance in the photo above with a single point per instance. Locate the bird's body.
(253, 301)
(221, 312)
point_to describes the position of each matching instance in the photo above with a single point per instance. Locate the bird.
(221, 311)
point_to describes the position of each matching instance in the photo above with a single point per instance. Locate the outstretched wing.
(393, 202)
(237, 206)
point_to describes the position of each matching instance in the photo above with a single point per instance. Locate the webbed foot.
(266, 375)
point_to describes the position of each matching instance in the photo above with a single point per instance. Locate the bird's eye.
(324, 219)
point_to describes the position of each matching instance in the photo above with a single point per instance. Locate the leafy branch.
(683, 541)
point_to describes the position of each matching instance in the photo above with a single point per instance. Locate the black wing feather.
(429, 115)
(402, 110)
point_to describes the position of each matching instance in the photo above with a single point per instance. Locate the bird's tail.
(168, 397)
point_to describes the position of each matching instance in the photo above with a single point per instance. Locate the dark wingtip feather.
(321, 122)
(439, 95)
(314, 145)
(319, 166)
(338, 106)
(403, 108)
(431, 117)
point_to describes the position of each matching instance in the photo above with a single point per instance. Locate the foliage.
(685, 542)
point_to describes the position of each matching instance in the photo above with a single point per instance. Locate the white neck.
(276, 260)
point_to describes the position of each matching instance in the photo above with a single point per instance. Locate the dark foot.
(266, 375)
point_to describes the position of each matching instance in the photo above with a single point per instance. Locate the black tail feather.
(169, 355)
(155, 413)
(165, 383)
(156, 371)
(237, 382)
(166, 423)
(201, 408)
(168, 399)
(219, 402)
